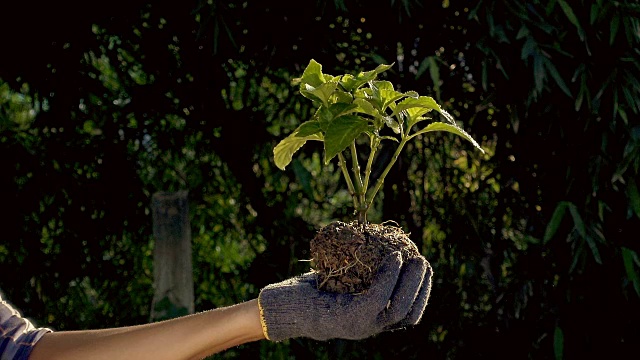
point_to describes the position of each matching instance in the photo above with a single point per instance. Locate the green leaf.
(380, 92)
(310, 127)
(365, 107)
(439, 126)
(555, 221)
(340, 96)
(351, 83)
(615, 25)
(303, 177)
(393, 124)
(634, 197)
(339, 109)
(595, 11)
(320, 93)
(416, 107)
(577, 220)
(340, 133)
(324, 116)
(568, 11)
(538, 73)
(556, 76)
(628, 256)
(312, 75)
(558, 343)
(582, 231)
(283, 152)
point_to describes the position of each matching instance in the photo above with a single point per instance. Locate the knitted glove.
(396, 298)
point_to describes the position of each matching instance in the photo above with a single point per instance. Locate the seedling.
(352, 108)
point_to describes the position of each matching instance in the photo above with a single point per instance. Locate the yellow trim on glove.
(262, 321)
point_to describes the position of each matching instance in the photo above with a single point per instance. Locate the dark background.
(534, 244)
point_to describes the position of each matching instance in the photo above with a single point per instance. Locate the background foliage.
(534, 244)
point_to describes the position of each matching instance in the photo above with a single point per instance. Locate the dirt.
(346, 256)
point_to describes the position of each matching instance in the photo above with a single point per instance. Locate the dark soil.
(346, 256)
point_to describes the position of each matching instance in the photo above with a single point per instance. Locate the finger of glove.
(376, 298)
(406, 290)
(420, 303)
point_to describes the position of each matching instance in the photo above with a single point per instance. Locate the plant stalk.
(343, 166)
(385, 172)
(360, 189)
(367, 171)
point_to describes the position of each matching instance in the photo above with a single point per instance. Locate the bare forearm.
(190, 337)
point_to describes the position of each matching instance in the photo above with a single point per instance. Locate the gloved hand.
(397, 298)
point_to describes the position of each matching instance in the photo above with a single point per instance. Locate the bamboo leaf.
(615, 25)
(538, 73)
(556, 76)
(434, 71)
(568, 11)
(554, 223)
(303, 177)
(558, 343)
(628, 256)
(582, 231)
(577, 220)
(634, 197)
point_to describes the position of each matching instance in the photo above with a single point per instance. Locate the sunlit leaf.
(340, 133)
(283, 152)
(320, 93)
(439, 126)
(350, 82)
(312, 74)
(416, 107)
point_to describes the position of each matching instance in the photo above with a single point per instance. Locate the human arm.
(293, 308)
(189, 337)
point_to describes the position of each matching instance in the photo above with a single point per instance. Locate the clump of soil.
(346, 256)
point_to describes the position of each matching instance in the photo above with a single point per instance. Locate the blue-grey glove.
(397, 298)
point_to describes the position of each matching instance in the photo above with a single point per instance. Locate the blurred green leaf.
(558, 343)
(628, 257)
(615, 25)
(634, 197)
(554, 222)
(568, 11)
(556, 76)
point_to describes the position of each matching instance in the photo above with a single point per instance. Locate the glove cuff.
(263, 322)
(282, 308)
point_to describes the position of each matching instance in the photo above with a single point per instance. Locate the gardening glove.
(396, 298)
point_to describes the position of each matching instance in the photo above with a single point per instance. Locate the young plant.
(351, 106)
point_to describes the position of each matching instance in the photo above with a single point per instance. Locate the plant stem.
(385, 172)
(360, 189)
(343, 166)
(367, 171)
